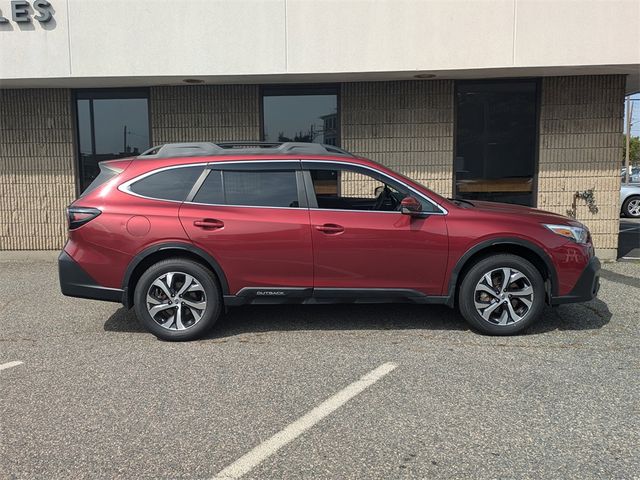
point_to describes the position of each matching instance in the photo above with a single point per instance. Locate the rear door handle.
(330, 228)
(209, 223)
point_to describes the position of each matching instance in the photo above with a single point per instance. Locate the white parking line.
(267, 448)
(4, 366)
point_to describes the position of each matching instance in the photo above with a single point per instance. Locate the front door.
(361, 240)
(252, 219)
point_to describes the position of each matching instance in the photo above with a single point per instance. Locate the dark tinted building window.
(171, 184)
(301, 114)
(496, 140)
(260, 189)
(111, 124)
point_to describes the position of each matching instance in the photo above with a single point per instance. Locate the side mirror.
(410, 206)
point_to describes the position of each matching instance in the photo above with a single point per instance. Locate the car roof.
(198, 149)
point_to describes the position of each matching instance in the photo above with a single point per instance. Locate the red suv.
(185, 230)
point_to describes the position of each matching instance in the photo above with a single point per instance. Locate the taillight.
(78, 216)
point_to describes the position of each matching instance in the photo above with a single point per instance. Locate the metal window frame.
(92, 94)
(232, 165)
(297, 89)
(538, 94)
(308, 199)
(365, 170)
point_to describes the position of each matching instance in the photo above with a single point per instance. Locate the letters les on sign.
(21, 11)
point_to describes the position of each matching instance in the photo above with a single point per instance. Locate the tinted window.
(346, 189)
(266, 189)
(110, 125)
(301, 114)
(496, 140)
(211, 190)
(172, 184)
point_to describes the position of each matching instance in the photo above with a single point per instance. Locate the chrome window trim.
(126, 186)
(245, 206)
(443, 211)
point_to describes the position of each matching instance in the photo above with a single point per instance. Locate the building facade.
(522, 106)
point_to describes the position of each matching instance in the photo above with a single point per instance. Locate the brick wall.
(581, 149)
(36, 168)
(406, 125)
(205, 113)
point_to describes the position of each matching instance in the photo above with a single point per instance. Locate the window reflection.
(109, 127)
(496, 141)
(301, 115)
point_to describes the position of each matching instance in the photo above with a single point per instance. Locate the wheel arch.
(515, 246)
(156, 253)
(626, 199)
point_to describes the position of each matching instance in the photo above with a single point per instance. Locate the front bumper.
(586, 288)
(75, 282)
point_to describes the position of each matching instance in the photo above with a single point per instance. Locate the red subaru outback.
(185, 230)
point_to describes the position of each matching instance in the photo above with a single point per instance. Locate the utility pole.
(124, 145)
(627, 139)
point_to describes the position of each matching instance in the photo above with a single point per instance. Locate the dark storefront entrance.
(496, 140)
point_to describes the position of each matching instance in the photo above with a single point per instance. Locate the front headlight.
(577, 234)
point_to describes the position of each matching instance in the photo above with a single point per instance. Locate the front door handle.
(209, 223)
(330, 228)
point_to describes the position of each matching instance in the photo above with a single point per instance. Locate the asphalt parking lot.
(97, 397)
(629, 239)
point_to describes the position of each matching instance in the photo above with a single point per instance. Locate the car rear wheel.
(502, 295)
(631, 207)
(178, 299)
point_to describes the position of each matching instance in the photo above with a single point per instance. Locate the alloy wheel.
(503, 296)
(176, 301)
(633, 208)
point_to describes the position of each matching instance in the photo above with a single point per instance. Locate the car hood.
(522, 211)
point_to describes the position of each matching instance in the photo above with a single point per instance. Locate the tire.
(525, 308)
(631, 207)
(199, 302)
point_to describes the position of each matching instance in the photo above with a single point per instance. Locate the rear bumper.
(586, 288)
(75, 282)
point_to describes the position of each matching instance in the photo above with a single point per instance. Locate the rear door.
(362, 240)
(252, 217)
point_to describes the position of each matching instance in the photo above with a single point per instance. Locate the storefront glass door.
(496, 140)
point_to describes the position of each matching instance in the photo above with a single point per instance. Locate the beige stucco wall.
(581, 149)
(95, 43)
(36, 168)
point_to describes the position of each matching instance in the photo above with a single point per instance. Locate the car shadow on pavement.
(269, 318)
(591, 315)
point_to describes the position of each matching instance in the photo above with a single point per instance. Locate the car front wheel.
(631, 207)
(178, 299)
(502, 295)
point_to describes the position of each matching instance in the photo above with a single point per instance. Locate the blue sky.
(635, 126)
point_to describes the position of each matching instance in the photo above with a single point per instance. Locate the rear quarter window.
(171, 184)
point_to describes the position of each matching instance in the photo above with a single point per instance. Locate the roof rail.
(192, 149)
(198, 149)
(249, 143)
